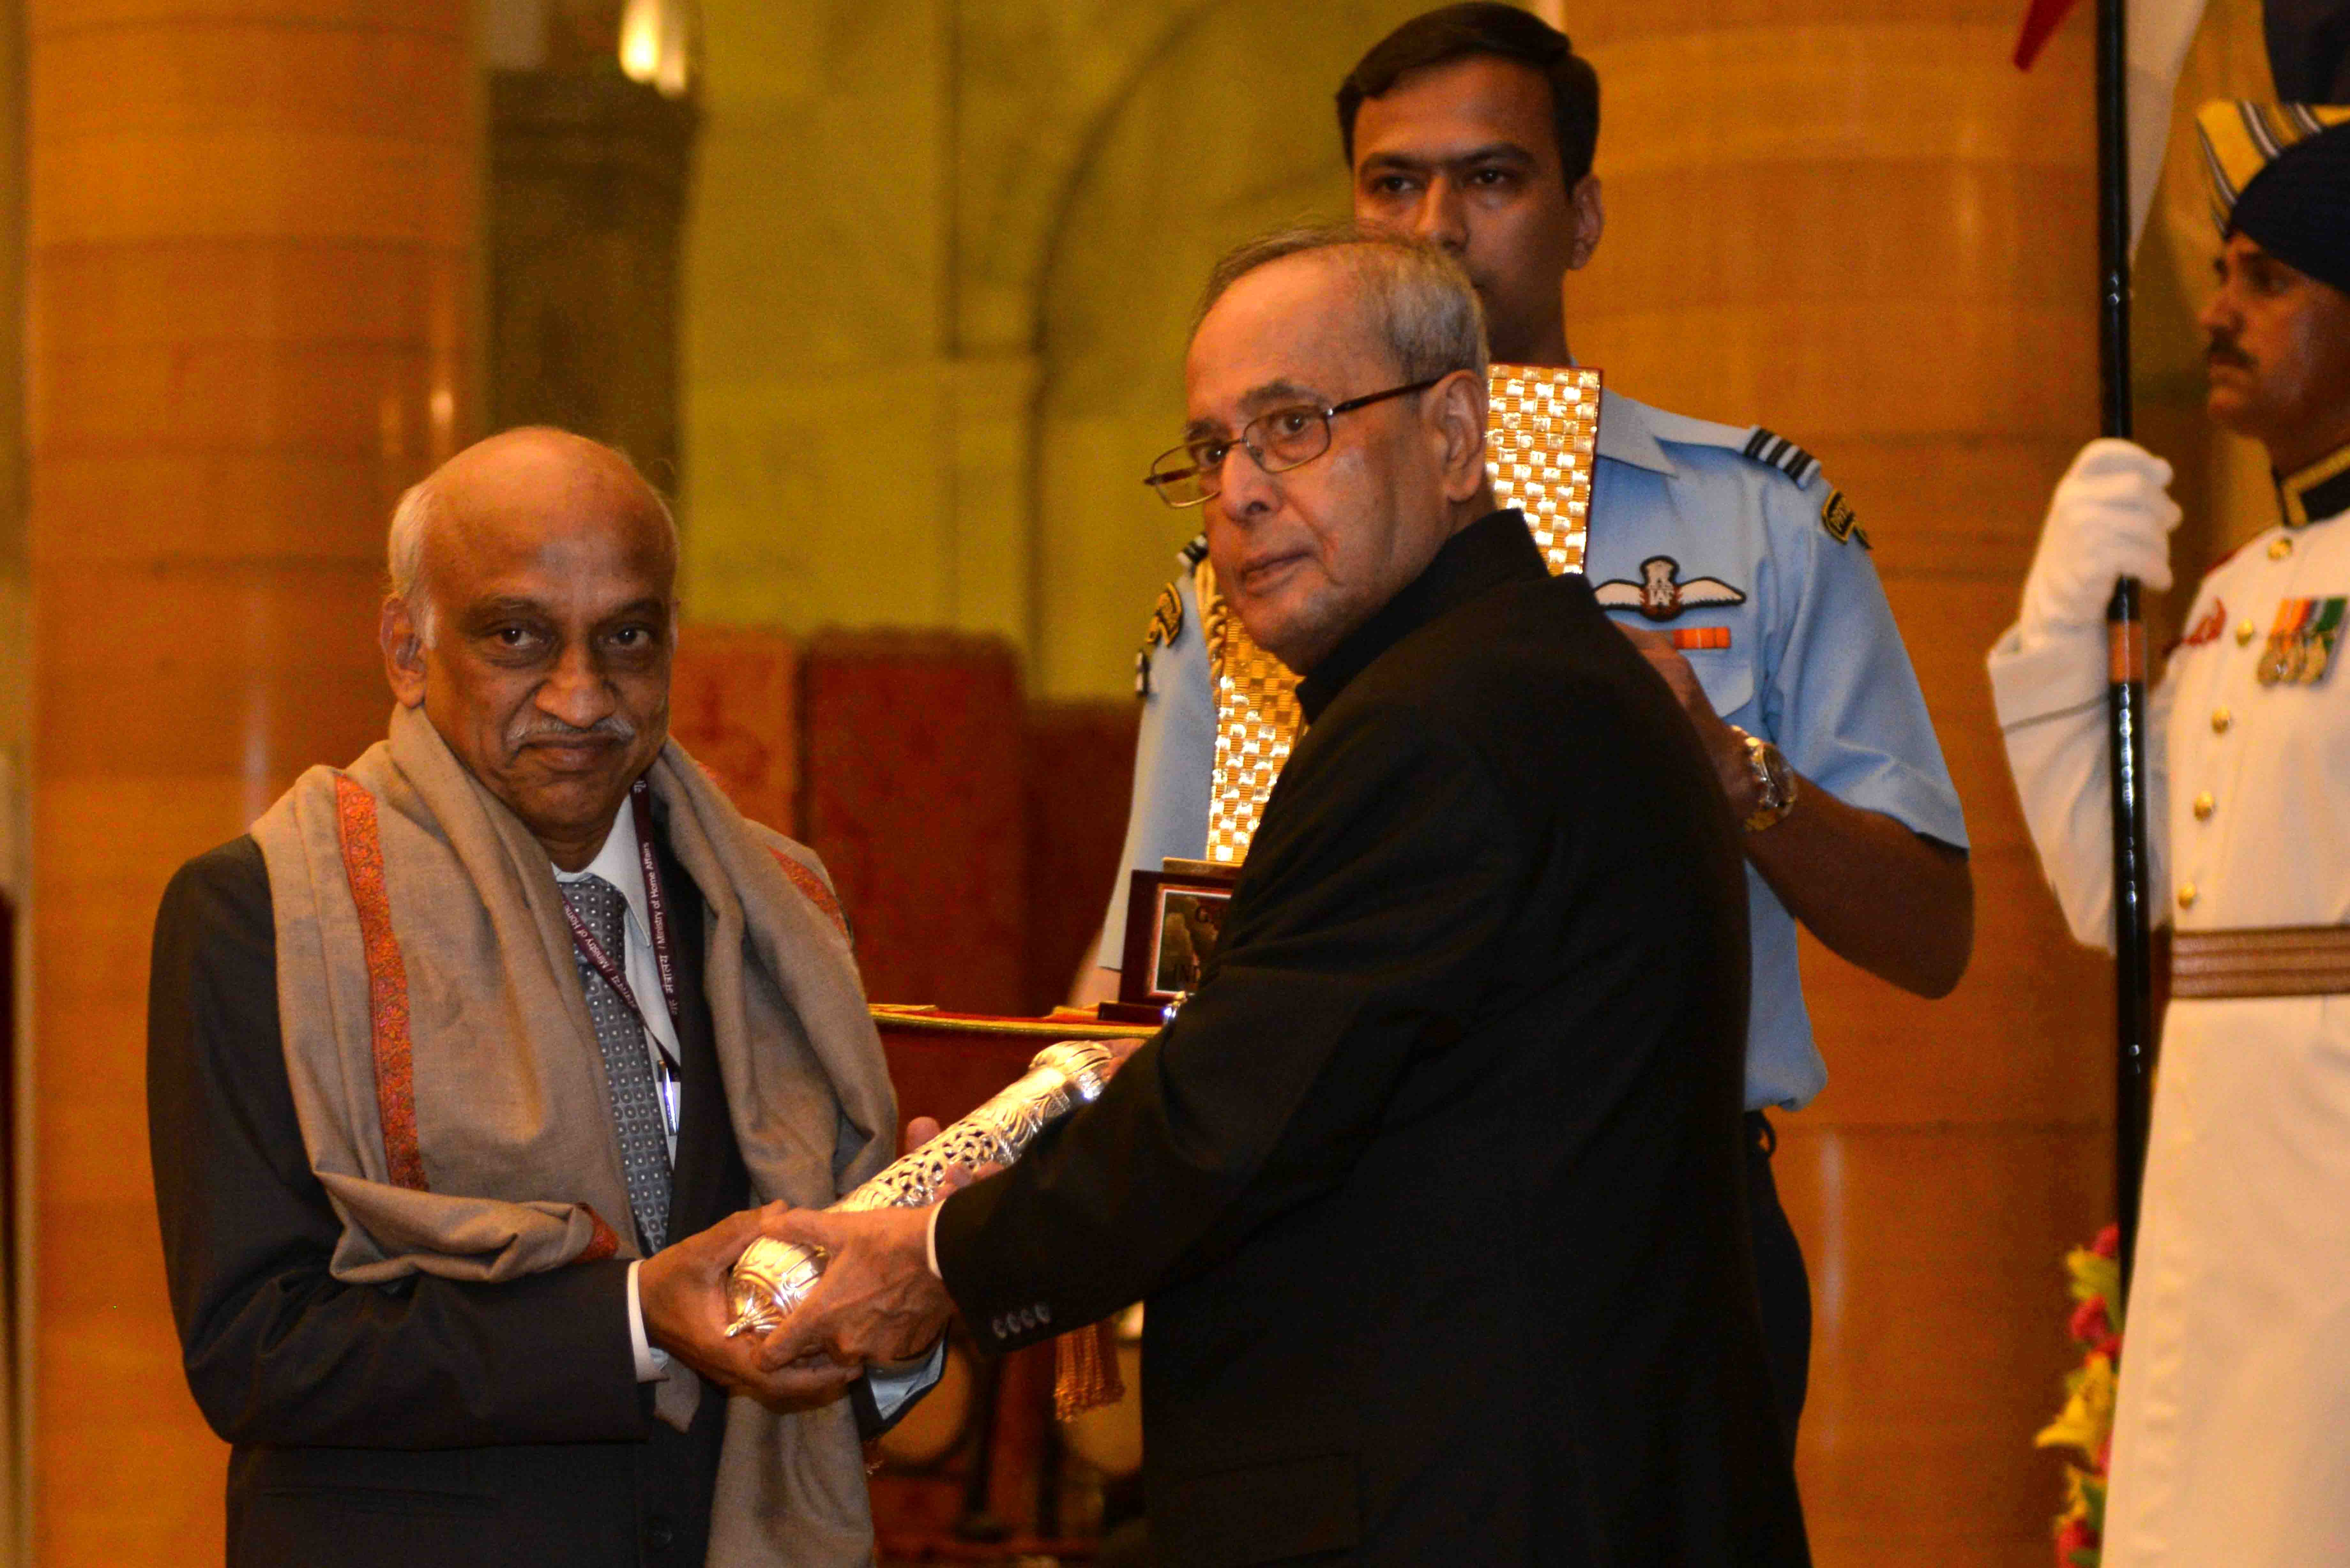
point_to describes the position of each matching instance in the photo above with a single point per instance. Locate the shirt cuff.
(893, 1388)
(931, 1240)
(652, 1362)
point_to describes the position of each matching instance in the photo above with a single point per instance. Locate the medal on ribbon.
(2301, 643)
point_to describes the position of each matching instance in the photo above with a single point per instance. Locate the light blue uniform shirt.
(1684, 521)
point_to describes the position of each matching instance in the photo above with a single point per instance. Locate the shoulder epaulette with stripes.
(1783, 454)
(1166, 616)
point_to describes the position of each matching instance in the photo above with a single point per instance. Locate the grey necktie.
(627, 1069)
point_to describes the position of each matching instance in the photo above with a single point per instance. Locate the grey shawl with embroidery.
(443, 959)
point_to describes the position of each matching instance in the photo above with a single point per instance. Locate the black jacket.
(1433, 1185)
(436, 1423)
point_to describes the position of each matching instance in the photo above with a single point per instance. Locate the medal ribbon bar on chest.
(1542, 431)
(2300, 644)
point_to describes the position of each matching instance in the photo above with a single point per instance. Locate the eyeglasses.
(1284, 439)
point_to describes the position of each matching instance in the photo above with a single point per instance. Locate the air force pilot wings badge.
(1660, 595)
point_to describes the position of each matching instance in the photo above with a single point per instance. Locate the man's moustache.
(2220, 351)
(614, 728)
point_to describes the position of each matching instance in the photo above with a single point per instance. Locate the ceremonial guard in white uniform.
(2229, 1444)
(1724, 551)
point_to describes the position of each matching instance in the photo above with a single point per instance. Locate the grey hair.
(420, 506)
(1426, 307)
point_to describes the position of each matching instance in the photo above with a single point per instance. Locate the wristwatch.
(1773, 779)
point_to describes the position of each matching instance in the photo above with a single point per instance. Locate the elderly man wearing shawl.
(464, 1064)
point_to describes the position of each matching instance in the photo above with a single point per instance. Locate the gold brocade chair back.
(1541, 429)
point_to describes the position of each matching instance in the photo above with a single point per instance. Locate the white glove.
(2111, 517)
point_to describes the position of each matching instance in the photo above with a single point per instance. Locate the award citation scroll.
(772, 1278)
(1542, 433)
(942, 1065)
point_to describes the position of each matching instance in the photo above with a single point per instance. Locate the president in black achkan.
(1433, 1185)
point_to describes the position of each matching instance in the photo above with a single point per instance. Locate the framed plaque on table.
(1174, 917)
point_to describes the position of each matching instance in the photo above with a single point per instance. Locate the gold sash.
(1541, 429)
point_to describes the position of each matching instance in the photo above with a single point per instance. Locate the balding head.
(530, 616)
(488, 469)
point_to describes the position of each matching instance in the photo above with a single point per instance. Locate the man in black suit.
(1433, 1185)
(451, 1411)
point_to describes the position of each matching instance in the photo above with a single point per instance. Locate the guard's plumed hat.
(2281, 177)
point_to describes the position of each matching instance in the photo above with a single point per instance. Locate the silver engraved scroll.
(772, 1278)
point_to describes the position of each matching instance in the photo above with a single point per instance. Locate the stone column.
(252, 231)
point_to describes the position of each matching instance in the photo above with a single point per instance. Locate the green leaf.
(2095, 1276)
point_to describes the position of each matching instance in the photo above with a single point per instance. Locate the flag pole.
(2126, 661)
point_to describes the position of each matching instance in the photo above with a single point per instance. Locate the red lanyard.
(657, 913)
